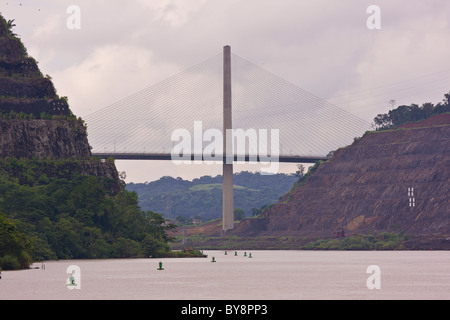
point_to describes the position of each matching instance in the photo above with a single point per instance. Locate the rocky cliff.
(23, 88)
(36, 124)
(54, 139)
(394, 180)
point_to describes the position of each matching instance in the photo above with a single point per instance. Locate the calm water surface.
(270, 275)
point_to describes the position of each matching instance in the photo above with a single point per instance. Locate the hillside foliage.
(412, 113)
(72, 217)
(202, 198)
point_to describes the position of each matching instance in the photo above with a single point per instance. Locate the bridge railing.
(217, 158)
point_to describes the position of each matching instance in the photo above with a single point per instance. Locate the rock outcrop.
(54, 139)
(36, 124)
(394, 180)
(23, 88)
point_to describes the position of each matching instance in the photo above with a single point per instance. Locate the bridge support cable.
(144, 122)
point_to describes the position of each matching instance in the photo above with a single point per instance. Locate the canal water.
(267, 275)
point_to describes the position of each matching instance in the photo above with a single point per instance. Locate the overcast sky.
(322, 46)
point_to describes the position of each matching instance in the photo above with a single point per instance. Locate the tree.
(15, 247)
(182, 220)
(444, 106)
(158, 225)
(9, 26)
(446, 100)
(412, 113)
(428, 108)
(300, 173)
(383, 121)
(151, 246)
(256, 211)
(239, 214)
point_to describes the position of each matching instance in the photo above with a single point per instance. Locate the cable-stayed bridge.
(224, 109)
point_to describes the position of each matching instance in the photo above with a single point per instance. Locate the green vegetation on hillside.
(36, 172)
(15, 247)
(382, 241)
(71, 217)
(25, 92)
(202, 197)
(406, 114)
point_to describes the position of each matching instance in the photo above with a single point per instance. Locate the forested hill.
(202, 197)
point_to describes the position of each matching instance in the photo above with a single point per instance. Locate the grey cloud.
(322, 46)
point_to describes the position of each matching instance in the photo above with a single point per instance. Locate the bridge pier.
(227, 166)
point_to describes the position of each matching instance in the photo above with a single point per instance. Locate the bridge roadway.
(193, 157)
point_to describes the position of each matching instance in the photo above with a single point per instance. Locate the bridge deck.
(168, 156)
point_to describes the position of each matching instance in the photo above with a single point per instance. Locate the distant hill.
(202, 197)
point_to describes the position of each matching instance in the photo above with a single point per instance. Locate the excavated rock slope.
(365, 188)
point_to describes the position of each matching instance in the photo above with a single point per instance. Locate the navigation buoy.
(245, 253)
(160, 266)
(250, 255)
